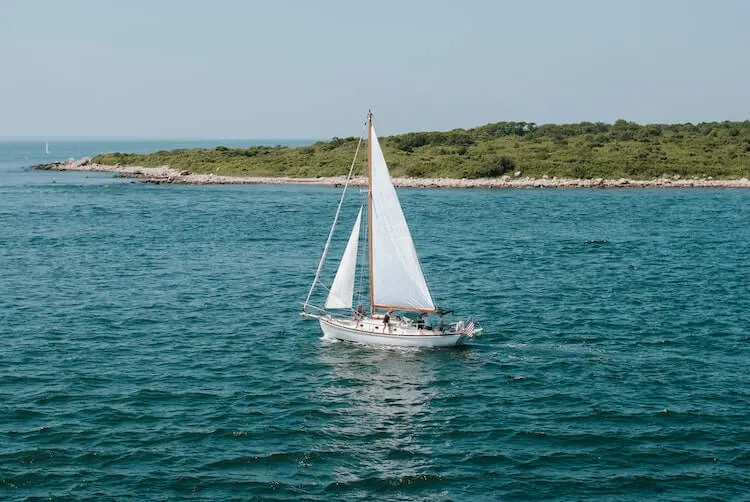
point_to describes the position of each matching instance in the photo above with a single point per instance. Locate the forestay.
(398, 280)
(342, 289)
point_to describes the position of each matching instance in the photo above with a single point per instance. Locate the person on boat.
(358, 315)
(421, 321)
(387, 321)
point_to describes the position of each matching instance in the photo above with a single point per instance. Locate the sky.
(312, 69)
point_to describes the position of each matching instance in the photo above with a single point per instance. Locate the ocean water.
(151, 347)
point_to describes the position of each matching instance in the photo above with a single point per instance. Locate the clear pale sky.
(311, 69)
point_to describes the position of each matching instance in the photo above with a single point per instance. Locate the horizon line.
(147, 138)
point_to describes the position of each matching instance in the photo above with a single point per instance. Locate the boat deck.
(398, 327)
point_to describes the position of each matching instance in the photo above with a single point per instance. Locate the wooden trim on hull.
(333, 329)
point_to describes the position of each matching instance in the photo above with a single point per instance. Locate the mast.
(369, 209)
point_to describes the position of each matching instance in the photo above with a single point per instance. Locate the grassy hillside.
(584, 150)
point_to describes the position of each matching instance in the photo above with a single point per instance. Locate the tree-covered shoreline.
(584, 150)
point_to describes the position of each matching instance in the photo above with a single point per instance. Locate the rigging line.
(323, 309)
(316, 308)
(361, 266)
(426, 276)
(364, 250)
(335, 219)
(425, 273)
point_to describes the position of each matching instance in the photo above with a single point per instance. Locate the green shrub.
(582, 150)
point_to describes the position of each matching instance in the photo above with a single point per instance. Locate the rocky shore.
(166, 174)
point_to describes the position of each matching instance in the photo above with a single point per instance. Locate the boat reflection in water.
(382, 401)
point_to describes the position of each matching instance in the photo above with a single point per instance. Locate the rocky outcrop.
(166, 174)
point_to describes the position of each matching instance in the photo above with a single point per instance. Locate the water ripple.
(152, 349)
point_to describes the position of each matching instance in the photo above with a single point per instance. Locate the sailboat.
(400, 303)
(46, 147)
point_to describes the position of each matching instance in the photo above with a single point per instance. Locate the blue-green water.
(151, 346)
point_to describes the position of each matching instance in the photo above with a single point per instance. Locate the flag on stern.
(469, 328)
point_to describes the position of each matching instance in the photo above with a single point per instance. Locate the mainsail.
(398, 280)
(342, 289)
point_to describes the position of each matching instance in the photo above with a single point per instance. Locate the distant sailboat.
(396, 280)
(46, 147)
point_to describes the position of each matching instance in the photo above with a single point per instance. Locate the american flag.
(469, 329)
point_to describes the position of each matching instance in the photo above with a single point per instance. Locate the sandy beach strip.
(166, 174)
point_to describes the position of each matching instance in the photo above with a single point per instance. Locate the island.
(502, 154)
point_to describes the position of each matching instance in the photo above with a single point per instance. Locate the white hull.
(370, 332)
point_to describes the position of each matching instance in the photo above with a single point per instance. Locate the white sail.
(398, 280)
(342, 289)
